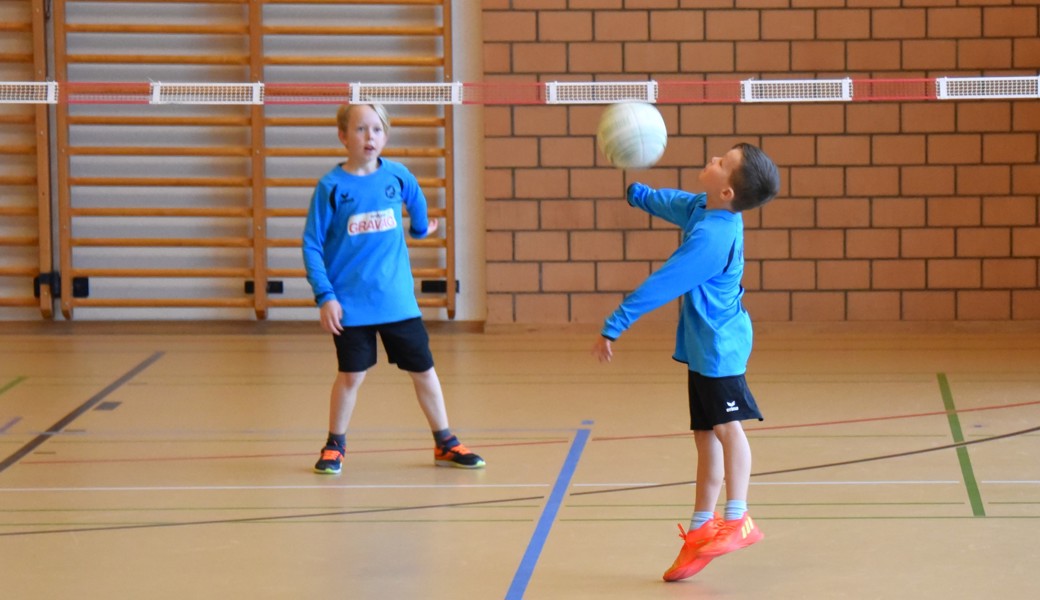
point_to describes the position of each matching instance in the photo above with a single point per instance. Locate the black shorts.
(718, 400)
(406, 343)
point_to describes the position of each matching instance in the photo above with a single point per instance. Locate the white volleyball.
(632, 135)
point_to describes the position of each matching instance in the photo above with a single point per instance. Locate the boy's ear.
(727, 193)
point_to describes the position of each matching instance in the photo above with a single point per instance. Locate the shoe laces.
(728, 527)
(682, 532)
(331, 454)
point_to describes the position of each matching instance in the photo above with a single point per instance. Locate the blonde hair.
(343, 115)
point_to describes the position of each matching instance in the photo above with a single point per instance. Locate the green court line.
(974, 496)
(12, 383)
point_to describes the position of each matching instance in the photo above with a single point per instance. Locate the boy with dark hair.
(714, 338)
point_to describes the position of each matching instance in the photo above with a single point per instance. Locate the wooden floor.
(175, 462)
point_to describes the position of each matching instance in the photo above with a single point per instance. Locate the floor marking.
(75, 414)
(881, 482)
(756, 429)
(485, 503)
(232, 488)
(522, 577)
(10, 424)
(268, 519)
(842, 463)
(12, 383)
(974, 495)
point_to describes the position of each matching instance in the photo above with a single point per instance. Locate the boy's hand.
(331, 314)
(602, 350)
(431, 227)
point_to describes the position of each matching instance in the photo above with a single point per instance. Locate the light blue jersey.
(354, 245)
(714, 334)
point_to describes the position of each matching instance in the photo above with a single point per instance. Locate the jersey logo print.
(372, 222)
(337, 200)
(391, 192)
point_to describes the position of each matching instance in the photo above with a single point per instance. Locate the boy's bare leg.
(342, 400)
(737, 530)
(431, 398)
(709, 470)
(737, 459)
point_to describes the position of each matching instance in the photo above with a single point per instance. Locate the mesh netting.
(207, 93)
(600, 92)
(406, 93)
(28, 92)
(987, 87)
(797, 91)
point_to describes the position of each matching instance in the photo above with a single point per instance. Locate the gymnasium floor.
(174, 461)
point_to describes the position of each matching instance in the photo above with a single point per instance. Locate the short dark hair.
(756, 181)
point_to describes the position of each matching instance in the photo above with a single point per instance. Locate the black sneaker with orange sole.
(331, 461)
(453, 454)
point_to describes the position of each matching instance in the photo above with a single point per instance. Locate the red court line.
(840, 422)
(537, 443)
(280, 455)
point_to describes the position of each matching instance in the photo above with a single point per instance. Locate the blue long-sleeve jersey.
(714, 335)
(354, 246)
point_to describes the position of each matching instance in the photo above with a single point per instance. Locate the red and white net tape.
(661, 92)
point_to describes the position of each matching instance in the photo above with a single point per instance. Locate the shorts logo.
(731, 407)
(372, 222)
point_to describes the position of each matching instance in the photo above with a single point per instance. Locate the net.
(512, 92)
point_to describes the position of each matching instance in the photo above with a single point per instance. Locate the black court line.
(392, 509)
(843, 463)
(76, 413)
(275, 518)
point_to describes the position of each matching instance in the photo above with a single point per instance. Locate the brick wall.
(912, 211)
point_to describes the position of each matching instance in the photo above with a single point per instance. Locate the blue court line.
(545, 522)
(10, 424)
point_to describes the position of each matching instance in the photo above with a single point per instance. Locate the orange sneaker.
(690, 561)
(733, 535)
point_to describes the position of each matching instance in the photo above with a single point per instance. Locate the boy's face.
(716, 176)
(364, 137)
